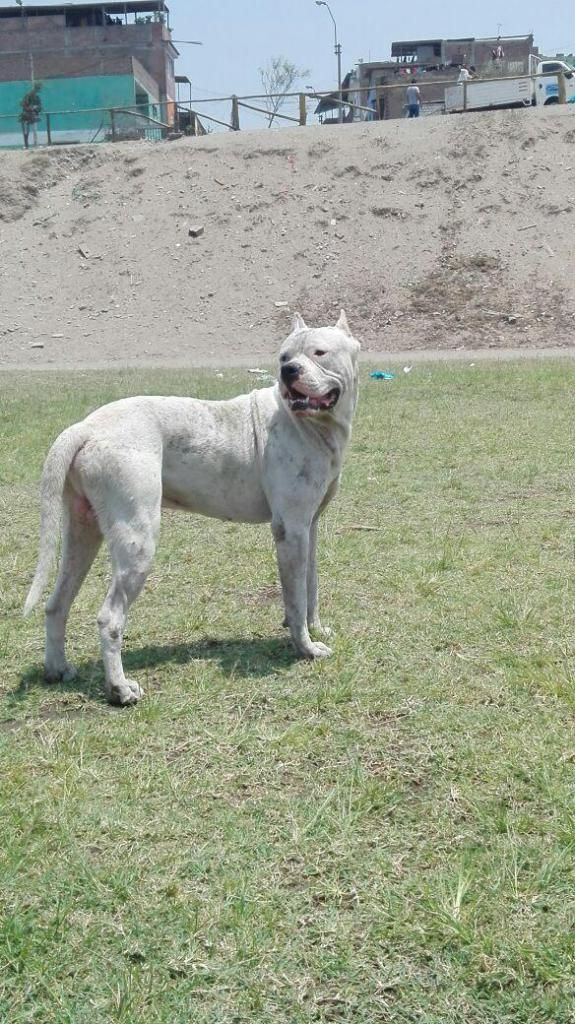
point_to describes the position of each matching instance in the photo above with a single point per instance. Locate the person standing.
(464, 74)
(31, 107)
(413, 96)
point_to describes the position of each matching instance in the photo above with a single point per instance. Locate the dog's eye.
(319, 352)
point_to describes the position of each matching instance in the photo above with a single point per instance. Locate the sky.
(239, 36)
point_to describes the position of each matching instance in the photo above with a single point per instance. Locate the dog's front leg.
(292, 546)
(313, 619)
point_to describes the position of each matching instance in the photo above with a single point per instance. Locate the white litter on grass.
(263, 374)
(407, 369)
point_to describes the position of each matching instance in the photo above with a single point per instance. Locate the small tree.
(278, 77)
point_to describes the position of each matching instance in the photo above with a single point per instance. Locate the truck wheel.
(552, 99)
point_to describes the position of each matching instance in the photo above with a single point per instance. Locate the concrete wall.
(146, 81)
(479, 53)
(392, 102)
(43, 66)
(73, 94)
(60, 52)
(76, 95)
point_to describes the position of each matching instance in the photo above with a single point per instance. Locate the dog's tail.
(58, 462)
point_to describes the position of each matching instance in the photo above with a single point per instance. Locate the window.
(84, 18)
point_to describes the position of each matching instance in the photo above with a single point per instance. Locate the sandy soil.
(443, 234)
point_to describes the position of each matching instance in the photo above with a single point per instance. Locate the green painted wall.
(73, 94)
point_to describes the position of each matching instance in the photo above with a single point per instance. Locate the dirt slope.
(446, 232)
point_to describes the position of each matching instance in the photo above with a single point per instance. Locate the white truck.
(539, 88)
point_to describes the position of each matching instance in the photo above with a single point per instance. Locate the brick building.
(88, 57)
(433, 62)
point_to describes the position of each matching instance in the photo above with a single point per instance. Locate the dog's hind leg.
(81, 538)
(131, 536)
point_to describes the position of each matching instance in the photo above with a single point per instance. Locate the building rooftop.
(115, 7)
(407, 46)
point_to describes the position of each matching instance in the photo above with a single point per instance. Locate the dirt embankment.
(442, 233)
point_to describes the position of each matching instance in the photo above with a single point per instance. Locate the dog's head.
(318, 370)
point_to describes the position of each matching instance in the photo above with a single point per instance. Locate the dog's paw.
(65, 673)
(317, 650)
(128, 692)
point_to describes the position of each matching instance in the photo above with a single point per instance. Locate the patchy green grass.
(388, 836)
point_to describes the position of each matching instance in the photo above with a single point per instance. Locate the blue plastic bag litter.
(380, 375)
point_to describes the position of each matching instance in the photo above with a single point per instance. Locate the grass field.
(387, 836)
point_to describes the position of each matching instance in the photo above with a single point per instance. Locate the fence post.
(302, 108)
(562, 87)
(465, 94)
(48, 129)
(113, 124)
(235, 114)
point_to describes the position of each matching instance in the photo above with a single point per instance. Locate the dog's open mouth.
(298, 402)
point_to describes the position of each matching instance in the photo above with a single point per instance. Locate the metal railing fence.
(198, 116)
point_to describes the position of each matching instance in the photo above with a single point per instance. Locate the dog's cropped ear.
(298, 323)
(342, 323)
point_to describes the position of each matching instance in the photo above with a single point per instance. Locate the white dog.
(273, 455)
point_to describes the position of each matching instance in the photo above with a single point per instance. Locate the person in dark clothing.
(31, 109)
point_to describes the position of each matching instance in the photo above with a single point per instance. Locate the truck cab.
(549, 66)
(547, 89)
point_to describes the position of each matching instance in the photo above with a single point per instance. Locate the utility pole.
(337, 51)
(338, 55)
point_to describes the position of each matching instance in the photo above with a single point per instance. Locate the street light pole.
(337, 51)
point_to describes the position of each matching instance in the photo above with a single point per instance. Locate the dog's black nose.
(290, 372)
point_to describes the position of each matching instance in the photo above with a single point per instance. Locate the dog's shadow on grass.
(243, 658)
